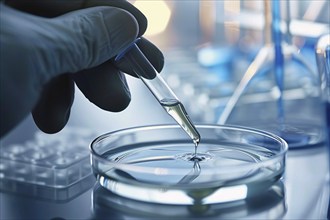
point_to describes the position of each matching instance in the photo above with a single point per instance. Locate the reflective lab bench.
(303, 193)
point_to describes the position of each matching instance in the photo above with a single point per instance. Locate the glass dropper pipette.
(141, 66)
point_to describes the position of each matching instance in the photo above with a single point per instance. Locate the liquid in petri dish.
(178, 176)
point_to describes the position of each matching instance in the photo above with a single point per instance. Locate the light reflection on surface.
(228, 194)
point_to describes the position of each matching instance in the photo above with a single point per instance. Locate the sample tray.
(48, 165)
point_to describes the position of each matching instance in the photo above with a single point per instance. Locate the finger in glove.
(150, 51)
(105, 86)
(53, 108)
(54, 8)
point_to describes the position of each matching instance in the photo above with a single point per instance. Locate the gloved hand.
(44, 51)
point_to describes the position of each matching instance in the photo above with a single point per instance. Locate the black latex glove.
(53, 44)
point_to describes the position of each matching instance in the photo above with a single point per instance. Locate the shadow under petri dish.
(157, 164)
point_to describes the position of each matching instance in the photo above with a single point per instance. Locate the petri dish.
(268, 205)
(298, 134)
(157, 164)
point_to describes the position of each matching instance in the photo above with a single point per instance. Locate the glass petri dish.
(297, 133)
(268, 205)
(157, 164)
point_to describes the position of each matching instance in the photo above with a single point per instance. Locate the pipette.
(159, 88)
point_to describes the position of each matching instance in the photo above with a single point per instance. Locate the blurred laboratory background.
(208, 48)
(238, 62)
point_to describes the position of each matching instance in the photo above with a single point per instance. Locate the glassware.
(268, 205)
(323, 63)
(291, 106)
(157, 164)
(159, 88)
